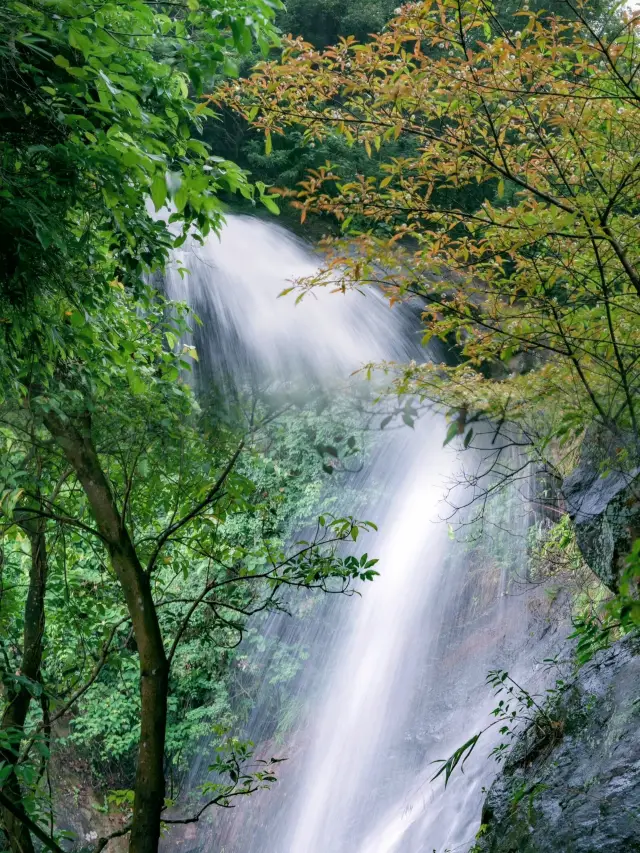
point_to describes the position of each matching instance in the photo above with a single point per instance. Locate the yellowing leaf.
(190, 351)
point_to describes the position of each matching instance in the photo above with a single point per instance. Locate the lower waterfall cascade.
(393, 679)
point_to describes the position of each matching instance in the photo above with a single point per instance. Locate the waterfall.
(393, 679)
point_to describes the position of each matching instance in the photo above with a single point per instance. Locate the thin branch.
(102, 842)
(81, 690)
(63, 519)
(24, 819)
(195, 511)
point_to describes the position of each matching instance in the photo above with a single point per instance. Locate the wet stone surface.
(602, 497)
(580, 794)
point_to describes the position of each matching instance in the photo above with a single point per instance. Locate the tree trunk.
(19, 698)
(80, 452)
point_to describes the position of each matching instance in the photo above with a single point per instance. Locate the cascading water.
(393, 680)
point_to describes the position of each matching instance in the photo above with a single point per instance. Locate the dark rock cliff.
(602, 497)
(580, 791)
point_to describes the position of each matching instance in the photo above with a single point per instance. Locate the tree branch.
(39, 833)
(196, 510)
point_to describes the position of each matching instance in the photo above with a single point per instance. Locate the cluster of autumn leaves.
(512, 213)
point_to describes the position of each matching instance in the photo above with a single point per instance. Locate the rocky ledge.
(580, 791)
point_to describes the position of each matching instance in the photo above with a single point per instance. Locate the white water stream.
(393, 680)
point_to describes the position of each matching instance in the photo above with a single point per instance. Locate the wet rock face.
(580, 794)
(603, 498)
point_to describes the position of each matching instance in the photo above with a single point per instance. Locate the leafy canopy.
(538, 285)
(100, 114)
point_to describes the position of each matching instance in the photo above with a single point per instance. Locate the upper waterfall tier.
(234, 284)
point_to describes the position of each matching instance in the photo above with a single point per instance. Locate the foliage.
(209, 515)
(517, 710)
(101, 121)
(616, 617)
(538, 286)
(598, 616)
(235, 759)
(141, 529)
(557, 563)
(289, 158)
(237, 773)
(321, 23)
(99, 117)
(98, 98)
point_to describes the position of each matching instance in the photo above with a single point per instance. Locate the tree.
(100, 117)
(321, 23)
(538, 285)
(97, 118)
(18, 689)
(149, 490)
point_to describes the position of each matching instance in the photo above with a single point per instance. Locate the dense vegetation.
(291, 156)
(538, 282)
(487, 167)
(140, 526)
(501, 190)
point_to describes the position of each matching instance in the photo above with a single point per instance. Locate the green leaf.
(190, 351)
(452, 432)
(270, 204)
(181, 197)
(136, 383)
(158, 190)
(44, 237)
(460, 756)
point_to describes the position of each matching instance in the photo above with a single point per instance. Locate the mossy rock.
(580, 794)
